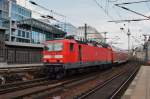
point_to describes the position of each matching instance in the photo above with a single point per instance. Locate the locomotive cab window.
(71, 46)
(54, 47)
(58, 46)
(49, 47)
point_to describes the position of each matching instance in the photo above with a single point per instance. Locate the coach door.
(79, 53)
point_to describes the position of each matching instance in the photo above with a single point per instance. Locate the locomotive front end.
(53, 53)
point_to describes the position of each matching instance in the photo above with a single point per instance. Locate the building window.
(27, 35)
(23, 34)
(13, 8)
(13, 39)
(19, 10)
(1, 23)
(19, 33)
(0, 14)
(37, 37)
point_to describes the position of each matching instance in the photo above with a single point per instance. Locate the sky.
(79, 12)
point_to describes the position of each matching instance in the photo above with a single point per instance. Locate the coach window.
(71, 47)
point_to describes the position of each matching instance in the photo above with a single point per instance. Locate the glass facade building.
(35, 33)
(40, 31)
(4, 19)
(38, 37)
(18, 13)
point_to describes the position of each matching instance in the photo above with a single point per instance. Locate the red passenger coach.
(120, 56)
(70, 54)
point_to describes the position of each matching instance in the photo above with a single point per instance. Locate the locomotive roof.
(62, 40)
(93, 43)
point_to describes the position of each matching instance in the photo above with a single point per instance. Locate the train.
(60, 56)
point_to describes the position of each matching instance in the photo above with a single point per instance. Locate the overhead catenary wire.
(129, 20)
(100, 6)
(117, 12)
(132, 11)
(53, 12)
(126, 3)
(112, 0)
(106, 9)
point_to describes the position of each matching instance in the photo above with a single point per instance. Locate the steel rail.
(101, 85)
(20, 85)
(58, 86)
(124, 84)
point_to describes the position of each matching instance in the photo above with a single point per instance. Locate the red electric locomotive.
(70, 54)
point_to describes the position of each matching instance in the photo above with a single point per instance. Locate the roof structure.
(40, 25)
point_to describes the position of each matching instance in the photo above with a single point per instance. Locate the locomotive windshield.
(58, 46)
(54, 46)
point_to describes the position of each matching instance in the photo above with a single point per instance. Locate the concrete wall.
(23, 54)
(13, 53)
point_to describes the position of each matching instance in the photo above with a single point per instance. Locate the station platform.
(5, 66)
(140, 86)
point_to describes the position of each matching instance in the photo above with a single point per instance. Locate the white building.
(92, 33)
(21, 2)
(68, 28)
(71, 29)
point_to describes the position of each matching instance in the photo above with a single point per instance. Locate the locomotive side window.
(71, 47)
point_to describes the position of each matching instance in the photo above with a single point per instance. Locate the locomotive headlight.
(47, 56)
(58, 56)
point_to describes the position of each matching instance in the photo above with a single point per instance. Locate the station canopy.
(34, 23)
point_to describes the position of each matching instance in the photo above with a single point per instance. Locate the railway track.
(112, 88)
(103, 80)
(119, 91)
(66, 87)
(10, 87)
(16, 74)
(55, 86)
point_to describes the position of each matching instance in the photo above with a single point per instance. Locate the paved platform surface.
(140, 86)
(4, 65)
